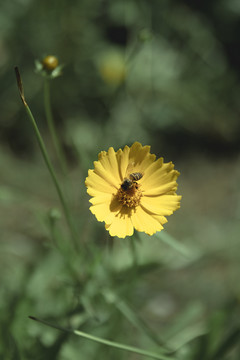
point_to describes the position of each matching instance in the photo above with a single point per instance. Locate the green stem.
(52, 128)
(133, 248)
(47, 160)
(106, 342)
(53, 175)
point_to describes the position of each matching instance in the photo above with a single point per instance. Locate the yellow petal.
(147, 161)
(158, 164)
(139, 157)
(143, 221)
(136, 159)
(121, 225)
(102, 169)
(161, 205)
(105, 208)
(100, 199)
(101, 211)
(160, 219)
(110, 163)
(159, 174)
(138, 152)
(123, 161)
(152, 168)
(168, 188)
(94, 182)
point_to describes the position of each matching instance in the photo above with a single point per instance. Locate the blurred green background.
(165, 73)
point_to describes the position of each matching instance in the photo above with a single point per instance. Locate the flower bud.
(48, 67)
(50, 62)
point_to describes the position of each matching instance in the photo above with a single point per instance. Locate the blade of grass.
(227, 345)
(173, 243)
(133, 318)
(104, 341)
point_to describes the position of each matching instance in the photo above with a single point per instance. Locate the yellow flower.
(130, 190)
(112, 68)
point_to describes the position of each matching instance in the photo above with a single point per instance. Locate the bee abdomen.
(136, 176)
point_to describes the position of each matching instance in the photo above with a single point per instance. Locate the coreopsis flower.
(112, 67)
(130, 190)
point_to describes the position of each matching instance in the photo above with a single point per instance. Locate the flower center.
(129, 196)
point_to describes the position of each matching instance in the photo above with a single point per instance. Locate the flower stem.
(51, 126)
(47, 160)
(106, 342)
(133, 248)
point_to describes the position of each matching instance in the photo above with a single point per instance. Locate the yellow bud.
(50, 62)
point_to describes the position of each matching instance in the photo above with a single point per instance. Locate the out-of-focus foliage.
(131, 68)
(165, 73)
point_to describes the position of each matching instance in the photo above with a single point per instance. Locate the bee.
(136, 176)
(128, 182)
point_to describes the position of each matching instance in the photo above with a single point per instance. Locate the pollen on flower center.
(130, 197)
